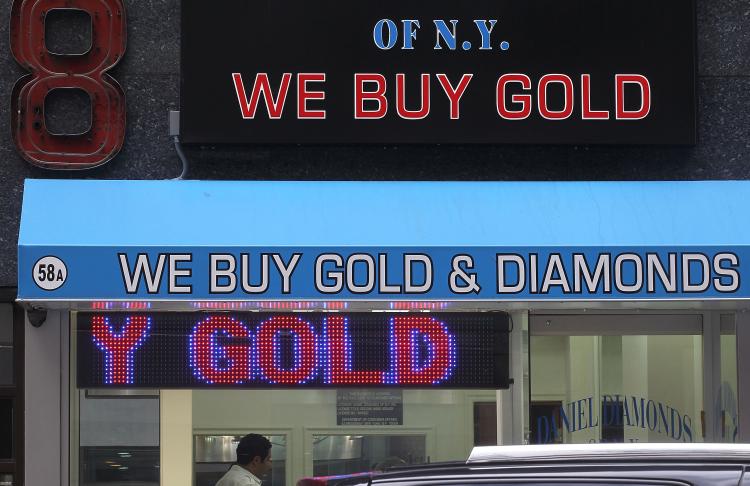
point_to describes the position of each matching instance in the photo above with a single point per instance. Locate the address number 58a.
(50, 273)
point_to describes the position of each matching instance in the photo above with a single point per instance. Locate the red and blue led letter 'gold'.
(286, 350)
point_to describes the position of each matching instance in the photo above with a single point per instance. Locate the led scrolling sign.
(314, 350)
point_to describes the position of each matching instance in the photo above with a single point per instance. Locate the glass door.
(622, 378)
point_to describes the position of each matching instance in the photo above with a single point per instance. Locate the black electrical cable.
(183, 159)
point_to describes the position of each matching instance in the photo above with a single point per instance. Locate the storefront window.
(616, 379)
(118, 438)
(320, 437)
(215, 454)
(11, 400)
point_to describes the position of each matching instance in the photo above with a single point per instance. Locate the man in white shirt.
(253, 462)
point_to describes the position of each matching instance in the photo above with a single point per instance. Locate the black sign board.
(370, 407)
(310, 350)
(432, 71)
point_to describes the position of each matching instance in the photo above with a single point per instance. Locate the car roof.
(562, 455)
(609, 452)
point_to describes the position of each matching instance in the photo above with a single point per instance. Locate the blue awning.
(242, 240)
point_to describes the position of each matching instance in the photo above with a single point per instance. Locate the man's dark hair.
(250, 446)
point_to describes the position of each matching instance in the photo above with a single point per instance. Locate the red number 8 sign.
(51, 71)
